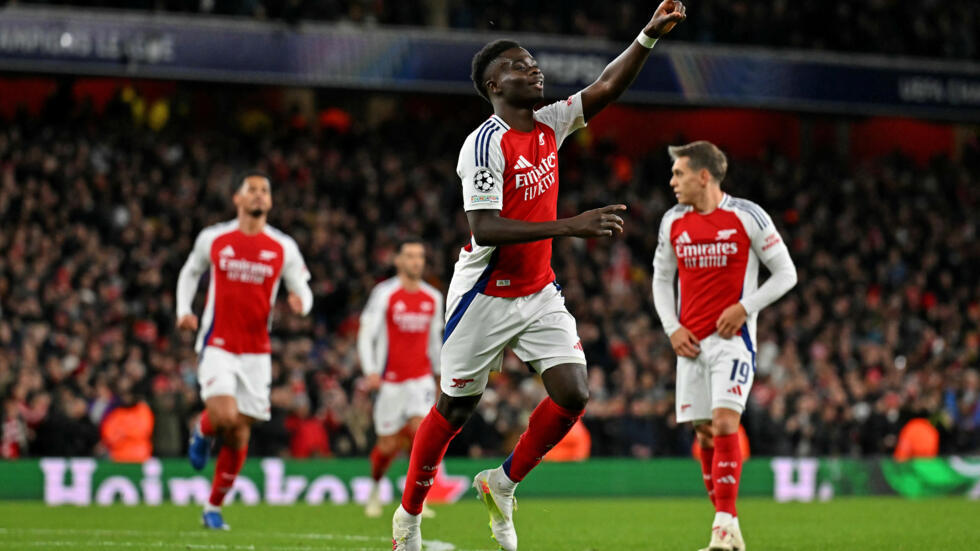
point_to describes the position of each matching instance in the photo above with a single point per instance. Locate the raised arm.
(622, 71)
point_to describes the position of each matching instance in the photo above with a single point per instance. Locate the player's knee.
(458, 416)
(704, 435)
(457, 410)
(724, 422)
(223, 419)
(575, 398)
(568, 386)
(238, 435)
(387, 445)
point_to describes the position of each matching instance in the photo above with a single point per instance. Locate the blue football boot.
(198, 450)
(213, 521)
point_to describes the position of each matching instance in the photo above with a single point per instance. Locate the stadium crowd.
(898, 27)
(99, 213)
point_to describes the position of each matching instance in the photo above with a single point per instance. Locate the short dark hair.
(702, 154)
(484, 58)
(239, 178)
(408, 240)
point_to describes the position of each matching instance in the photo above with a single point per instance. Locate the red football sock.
(229, 463)
(379, 463)
(726, 472)
(707, 464)
(207, 429)
(428, 449)
(549, 423)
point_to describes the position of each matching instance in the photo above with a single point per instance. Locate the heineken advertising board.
(87, 481)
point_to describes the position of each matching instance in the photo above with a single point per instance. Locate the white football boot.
(498, 496)
(722, 538)
(373, 507)
(406, 531)
(738, 544)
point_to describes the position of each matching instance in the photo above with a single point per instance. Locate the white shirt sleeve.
(371, 325)
(664, 272)
(768, 245)
(190, 275)
(564, 117)
(296, 276)
(435, 331)
(481, 169)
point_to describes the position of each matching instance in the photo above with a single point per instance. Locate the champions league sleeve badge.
(483, 180)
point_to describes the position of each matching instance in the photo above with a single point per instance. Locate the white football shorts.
(720, 376)
(246, 377)
(538, 328)
(397, 402)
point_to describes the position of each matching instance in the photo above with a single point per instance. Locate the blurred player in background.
(246, 259)
(504, 293)
(398, 343)
(713, 243)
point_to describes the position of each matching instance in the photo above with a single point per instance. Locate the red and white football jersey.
(245, 274)
(517, 173)
(716, 257)
(400, 332)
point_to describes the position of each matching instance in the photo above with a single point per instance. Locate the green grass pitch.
(864, 524)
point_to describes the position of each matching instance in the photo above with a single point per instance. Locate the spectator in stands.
(307, 434)
(127, 430)
(917, 439)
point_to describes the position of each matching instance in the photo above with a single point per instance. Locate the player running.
(398, 343)
(503, 292)
(714, 242)
(246, 258)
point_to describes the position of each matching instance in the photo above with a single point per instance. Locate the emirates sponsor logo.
(245, 271)
(705, 255)
(410, 322)
(539, 180)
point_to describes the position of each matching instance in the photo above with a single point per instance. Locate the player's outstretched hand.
(731, 320)
(295, 303)
(601, 222)
(685, 343)
(668, 14)
(187, 322)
